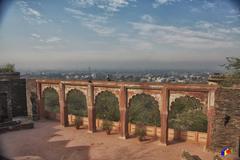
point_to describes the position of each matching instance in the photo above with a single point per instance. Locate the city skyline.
(119, 34)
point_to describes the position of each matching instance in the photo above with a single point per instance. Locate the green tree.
(8, 68)
(144, 109)
(192, 120)
(233, 66)
(186, 113)
(51, 100)
(76, 103)
(107, 106)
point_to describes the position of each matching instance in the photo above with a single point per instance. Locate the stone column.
(123, 113)
(164, 116)
(40, 106)
(91, 109)
(63, 107)
(210, 115)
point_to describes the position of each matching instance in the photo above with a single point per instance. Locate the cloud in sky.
(53, 39)
(34, 35)
(147, 18)
(209, 36)
(31, 15)
(93, 22)
(107, 5)
(163, 2)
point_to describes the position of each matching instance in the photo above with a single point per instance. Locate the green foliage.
(107, 126)
(140, 131)
(184, 104)
(229, 81)
(7, 68)
(51, 100)
(187, 114)
(233, 66)
(107, 106)
(192, 120)
(76, 103)
(144, 109)
(78, 122)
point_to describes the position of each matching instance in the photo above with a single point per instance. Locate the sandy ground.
(49, 141)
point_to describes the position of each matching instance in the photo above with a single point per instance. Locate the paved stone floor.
(49, 141)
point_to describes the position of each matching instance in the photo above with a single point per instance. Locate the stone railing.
(9, 75)
(193, 136)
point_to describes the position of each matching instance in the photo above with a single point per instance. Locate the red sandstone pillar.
(164, 117)
(91, 109)
(210, 115)
(40, 107)
(63, 107)
(123, 113)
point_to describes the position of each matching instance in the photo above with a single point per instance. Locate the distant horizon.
(118, 70)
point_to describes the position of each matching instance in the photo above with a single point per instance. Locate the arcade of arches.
(155, 96)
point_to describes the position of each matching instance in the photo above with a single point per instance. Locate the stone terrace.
(50, 141)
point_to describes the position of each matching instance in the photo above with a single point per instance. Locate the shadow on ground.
(46, 148)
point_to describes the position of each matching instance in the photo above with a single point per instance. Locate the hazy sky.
(119, 34)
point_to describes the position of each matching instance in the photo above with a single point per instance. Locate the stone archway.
(107, 108)
(51, 103)
(76, 103)
(144, 110)
(186, 113)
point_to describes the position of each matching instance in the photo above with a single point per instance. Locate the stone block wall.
(226, 126)
(18, 88)
(15, 91)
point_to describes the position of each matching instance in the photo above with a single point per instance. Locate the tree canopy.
(233, 66)
(186, 113)
(7, 68)
(51, 101)
(76, 103)
(144, 109)
(107, 106)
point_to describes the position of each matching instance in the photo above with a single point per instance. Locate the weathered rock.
(188, 156)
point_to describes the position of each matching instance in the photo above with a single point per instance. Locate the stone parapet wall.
(8, 76)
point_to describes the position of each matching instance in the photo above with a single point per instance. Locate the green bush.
(107, 126)
(51, 100)
(76, 103)
(78, 122)
(140, 131)
(192, 120)
(107, 106)
(144, 109)
(187, 113)
(7, 68)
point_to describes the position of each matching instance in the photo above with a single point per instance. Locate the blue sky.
(119, 34)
